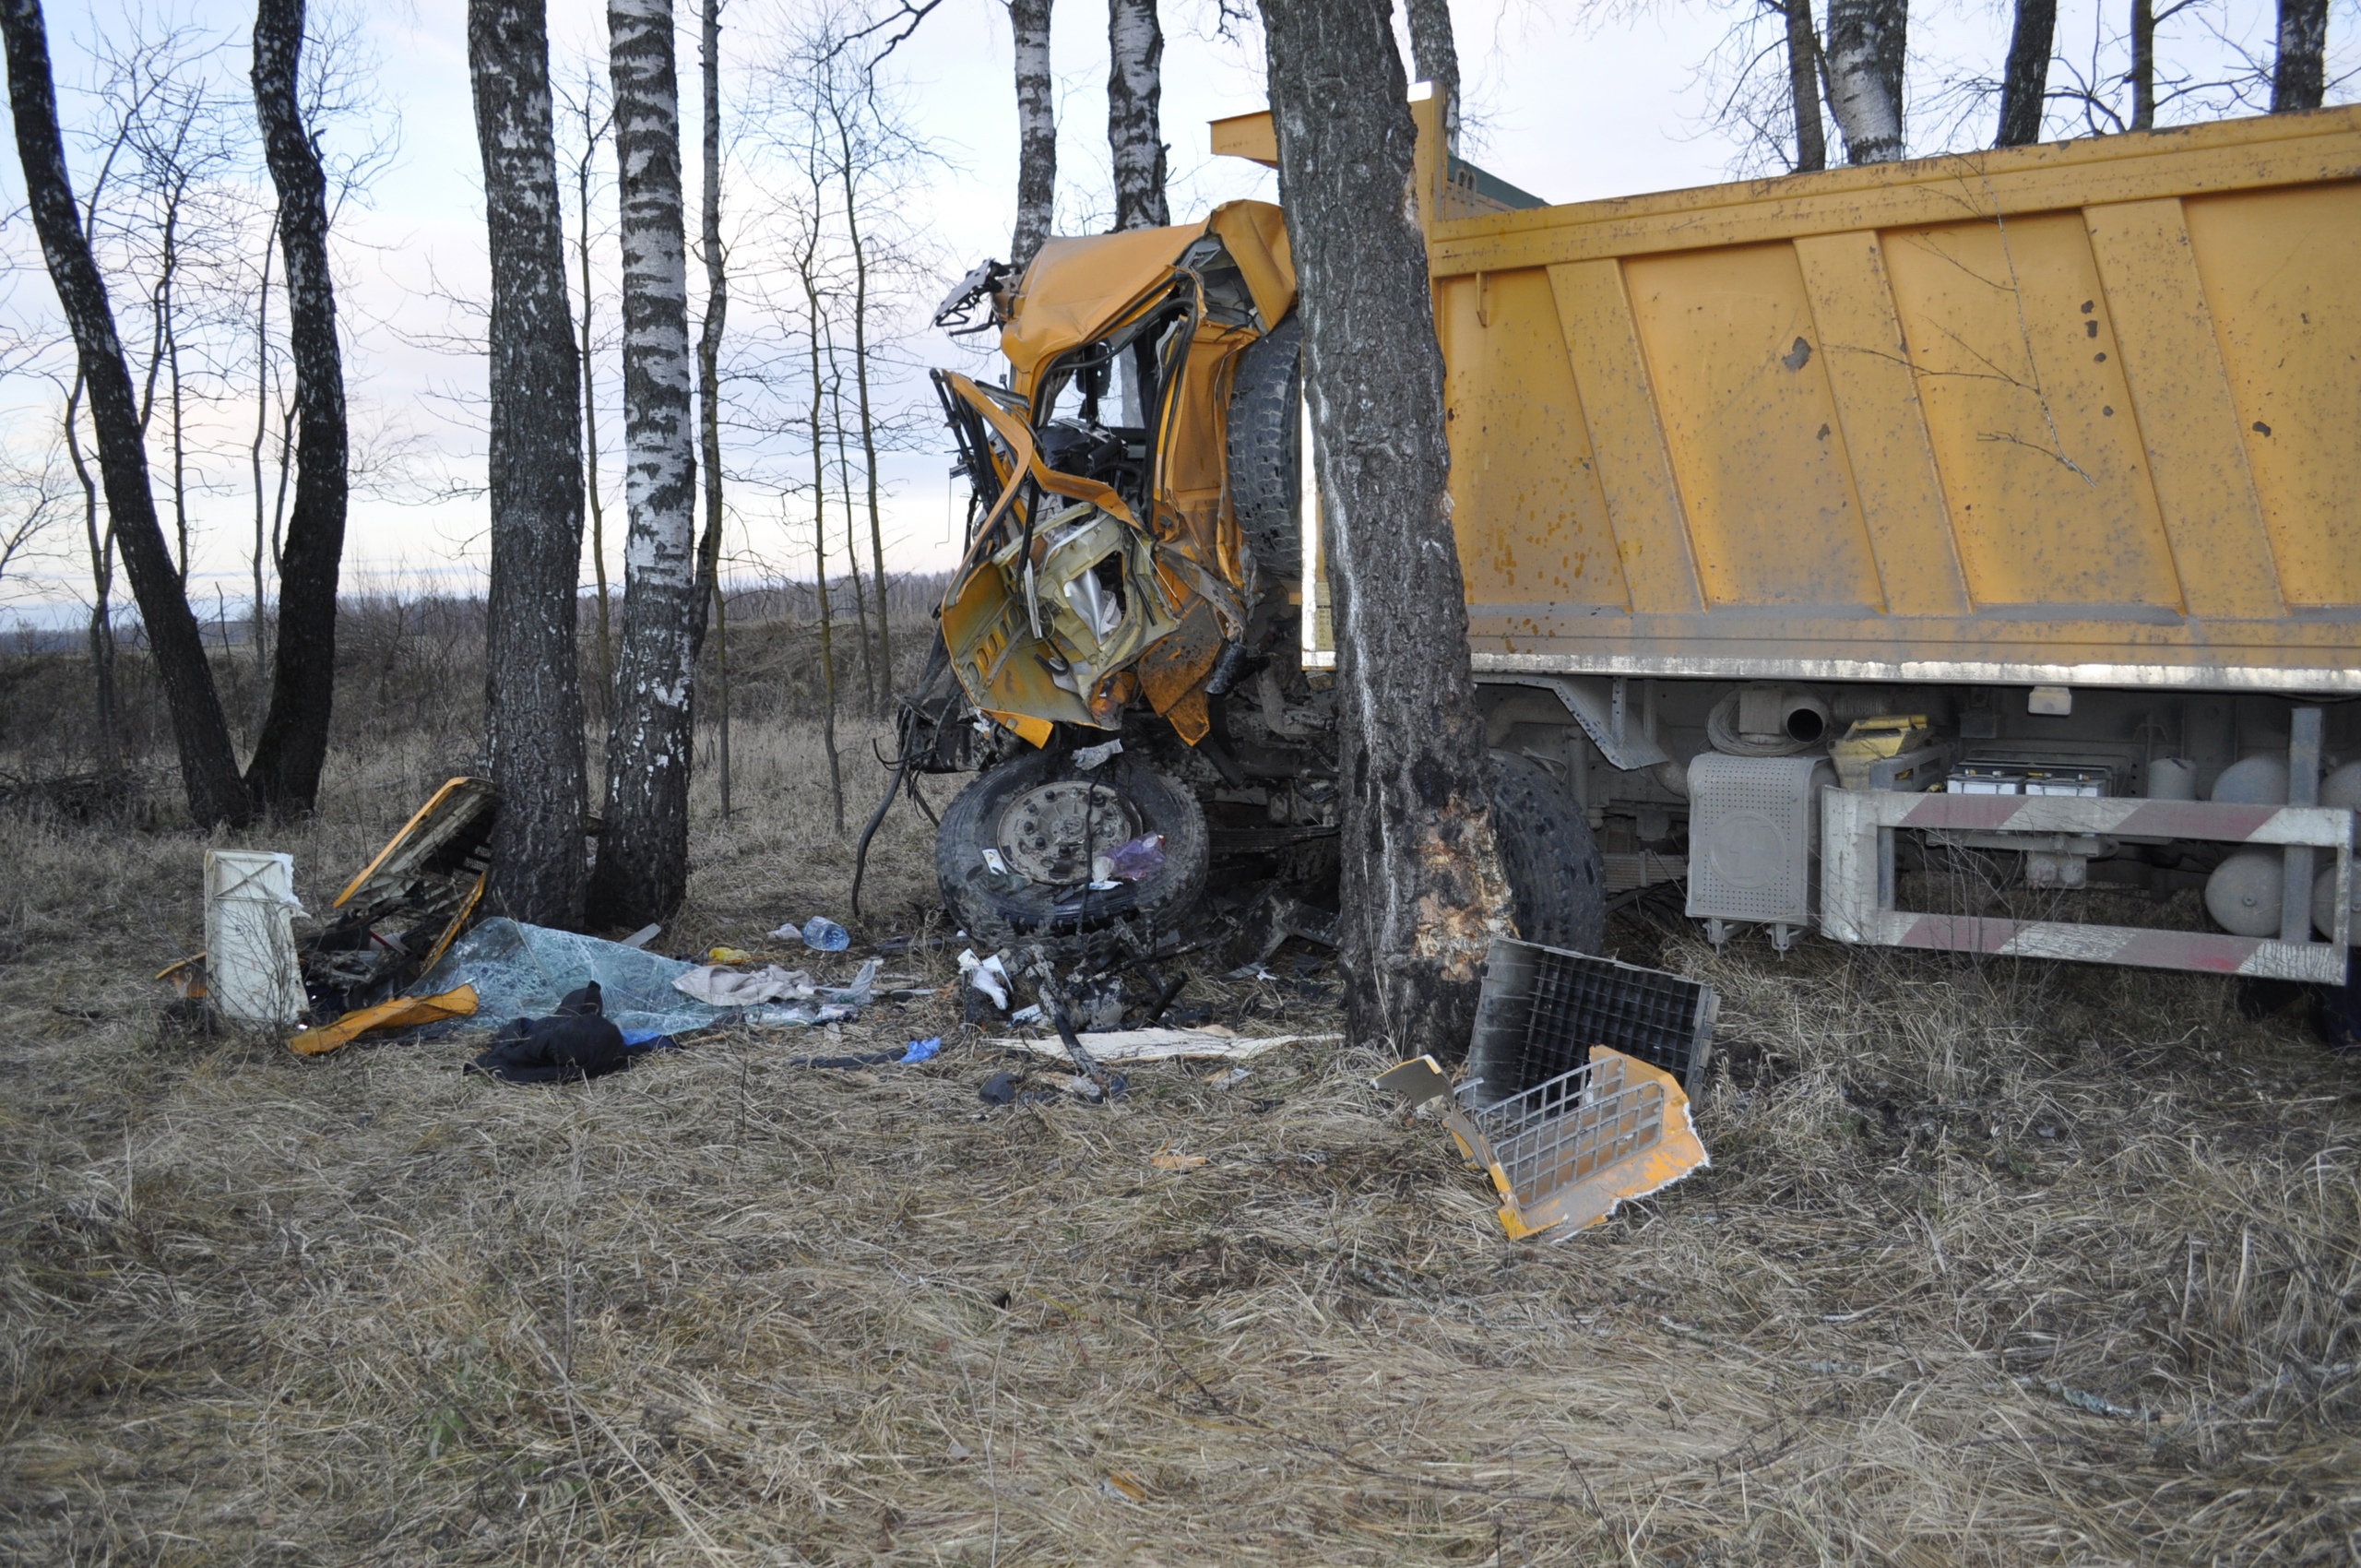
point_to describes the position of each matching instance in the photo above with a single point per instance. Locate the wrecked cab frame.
(1105, 567)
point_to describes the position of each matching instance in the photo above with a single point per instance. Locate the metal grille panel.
(1571, 1128)
(1543, 1008)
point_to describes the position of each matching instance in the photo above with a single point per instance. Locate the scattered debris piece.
(186, 976)
(910, 1055)
(1228, 1078)
(820, 934)
(576, 1042)
(1569, 1099)
(251, 971)
(725, 987)
(729, 956)
(1123, 1483)
(1159, 1045)
(1095, 1005)
(1088, 758)
(1264, 926)
(523, 971)
(1571, 1151)
(1165, 1159)
(401, 1013)
(1542, 1008)
(408, 905)
(988, 976)
(1137, 861)
(643, 936)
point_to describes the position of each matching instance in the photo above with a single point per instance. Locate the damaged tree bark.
(284, 773)
(208, 765)
(532, 683)
(643, 870)
(2024, 87)
(1423, 891)
(1866, 40)
(1036, 131)
(1135, 133)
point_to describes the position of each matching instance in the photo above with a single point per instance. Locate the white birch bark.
(1134, 91)
(1866, 40)
(1037, 130)
(643, 856)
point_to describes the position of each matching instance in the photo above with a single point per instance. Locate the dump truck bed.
(2086, 413)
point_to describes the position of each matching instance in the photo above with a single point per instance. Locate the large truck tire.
(1266, 452)
(1044, 820)
(1557, 881)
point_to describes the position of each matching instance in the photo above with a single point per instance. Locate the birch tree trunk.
(1803, 87)
(208, 765)
(643, 870)
(108, 745)
(1134, 132)
(867, 409)
(1434, 55)
(2025, 85)
(1866, 44)
(2298, 76)
(532, 682)
(1036, 131)
(717, 311)
(284, 774)
(2144, 65)
(1423, 891)
(593, 132)
(263, 556)
(804, 268)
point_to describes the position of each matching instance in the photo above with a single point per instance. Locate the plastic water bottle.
(825, 934)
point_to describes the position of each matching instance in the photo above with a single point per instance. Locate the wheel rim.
(1052, 832)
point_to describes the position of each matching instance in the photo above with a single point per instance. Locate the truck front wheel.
(1557, 883)
(1019, 847)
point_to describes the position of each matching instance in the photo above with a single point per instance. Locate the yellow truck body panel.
(2086, 413)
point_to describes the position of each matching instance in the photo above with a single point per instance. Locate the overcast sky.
(1569, 102)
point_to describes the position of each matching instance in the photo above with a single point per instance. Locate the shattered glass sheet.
(522, 971)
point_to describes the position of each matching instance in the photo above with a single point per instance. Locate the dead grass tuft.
(1996, 1263)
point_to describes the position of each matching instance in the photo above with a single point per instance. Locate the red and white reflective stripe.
(2132, 947)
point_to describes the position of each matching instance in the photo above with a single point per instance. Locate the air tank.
(2243, 894)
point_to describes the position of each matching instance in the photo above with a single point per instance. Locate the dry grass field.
(1996, 1265)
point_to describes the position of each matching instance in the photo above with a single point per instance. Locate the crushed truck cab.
(1109, 564)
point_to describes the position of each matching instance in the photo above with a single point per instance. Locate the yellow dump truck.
(1906, 551)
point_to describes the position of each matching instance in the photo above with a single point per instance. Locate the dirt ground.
(1995, 1263)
